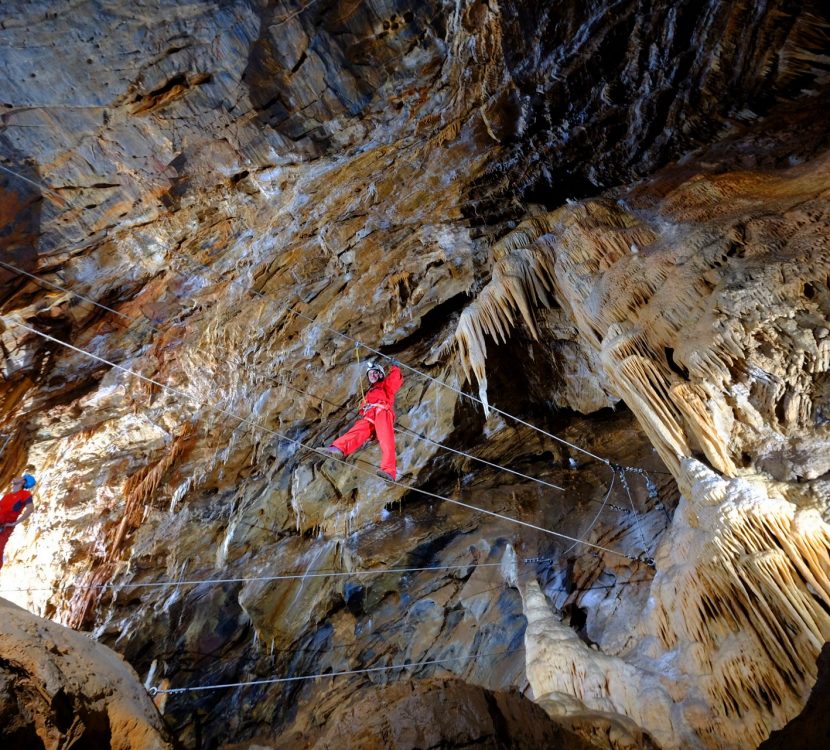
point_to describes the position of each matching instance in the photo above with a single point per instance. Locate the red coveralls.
(377, 418)
(11, 506)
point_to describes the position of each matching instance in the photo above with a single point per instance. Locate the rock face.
(62, 689)
(449, 714)
(608, 220)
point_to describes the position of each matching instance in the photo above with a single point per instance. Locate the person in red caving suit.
(15, 506)
(377, 418)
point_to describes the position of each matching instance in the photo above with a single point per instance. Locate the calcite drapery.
(710, 318)
(756, 575)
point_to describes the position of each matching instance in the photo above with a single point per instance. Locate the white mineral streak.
(590, 689)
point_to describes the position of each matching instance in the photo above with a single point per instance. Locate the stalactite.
(139, 489)
(753, 592)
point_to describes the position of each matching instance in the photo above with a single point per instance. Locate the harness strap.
(374, 406)
(368, 407)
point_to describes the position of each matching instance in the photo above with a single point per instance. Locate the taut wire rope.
(550, 485)
(378, 353)
(436, 443)
(298, 443)
(281, 577)
(38, 185)
(458, 391)
(153, 691)
(599, 512)
(292, 309)
(276, 680)
(624, 482)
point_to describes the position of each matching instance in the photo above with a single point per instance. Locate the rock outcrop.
(450, 714)
(61, 689)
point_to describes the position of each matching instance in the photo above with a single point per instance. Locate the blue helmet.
(29, 481)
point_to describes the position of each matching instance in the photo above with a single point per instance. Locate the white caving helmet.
(377, 367)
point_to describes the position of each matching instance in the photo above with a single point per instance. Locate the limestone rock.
(602, 205)
(60, 688)
(450, 714)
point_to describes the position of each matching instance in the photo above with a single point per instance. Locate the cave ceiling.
(609, 220)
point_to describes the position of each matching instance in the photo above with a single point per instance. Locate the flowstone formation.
(607, 220)
(709, 319)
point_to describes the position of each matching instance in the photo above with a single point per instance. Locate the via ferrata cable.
(275, 680)
(293, 441)
(436, 443)
(357, 344)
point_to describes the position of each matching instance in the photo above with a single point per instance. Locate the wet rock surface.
(266, 195)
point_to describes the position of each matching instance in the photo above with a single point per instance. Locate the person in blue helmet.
(15, 506)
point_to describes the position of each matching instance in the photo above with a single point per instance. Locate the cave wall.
(464, 186)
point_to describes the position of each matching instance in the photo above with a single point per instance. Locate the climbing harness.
(426, 438)
(366, 408)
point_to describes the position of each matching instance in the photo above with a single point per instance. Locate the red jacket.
(383, 393)
(12, 505)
